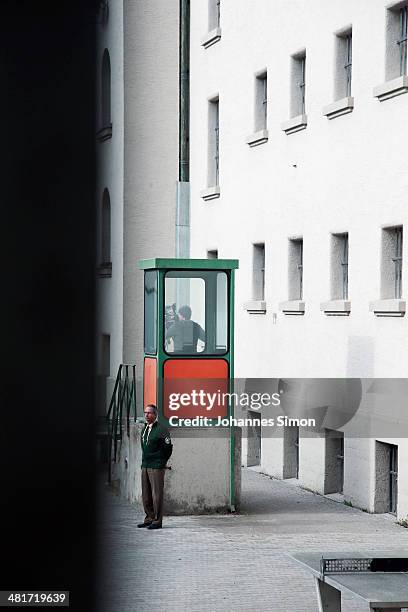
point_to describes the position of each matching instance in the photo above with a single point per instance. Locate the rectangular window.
(150, 312)
(261, 101)
(391, 269)
(214, 14)
(295, 269)
(396, 41)
(196, 312)
(213, 254)
(402, 39)
(213, 143)
(339, 267)
(258, 286)
(343, 65)
(397, 260)
(298, 85)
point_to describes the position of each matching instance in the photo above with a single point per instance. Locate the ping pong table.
(380, 579)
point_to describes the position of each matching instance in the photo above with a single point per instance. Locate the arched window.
(106, 231)
(106, 90)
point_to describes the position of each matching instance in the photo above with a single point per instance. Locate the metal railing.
(123, 402)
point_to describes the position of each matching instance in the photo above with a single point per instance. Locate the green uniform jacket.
(156, 450)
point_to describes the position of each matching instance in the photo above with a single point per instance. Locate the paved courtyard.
(232, 562)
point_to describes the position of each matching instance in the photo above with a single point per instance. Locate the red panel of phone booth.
(150, 381)
(195, 387)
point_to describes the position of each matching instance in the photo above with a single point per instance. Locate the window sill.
(392, 88)
(338, 108)
(255, 307)
(211, 193)
(257, 138)
(104, 270)
(336, 308)
(292, 307)
(104, 133)
(211, 38)
(295, 124)
(388, 308)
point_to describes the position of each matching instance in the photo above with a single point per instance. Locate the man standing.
(156, 450)
(185, 332)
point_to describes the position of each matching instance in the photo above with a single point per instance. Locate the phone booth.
(189, 343)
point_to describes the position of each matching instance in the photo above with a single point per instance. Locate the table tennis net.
(357, 565)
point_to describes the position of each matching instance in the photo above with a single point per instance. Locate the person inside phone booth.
(184, 332)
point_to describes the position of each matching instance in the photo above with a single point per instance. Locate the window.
(296, 269)
(261, 102)
(402, 40)
(106, 90)
(298, 87)
(214, 143)
(213, 151)
(260, 134)
(150, 312)
(391, 270)
(213, 254)
(214, 30)
(397, 261)
(343, 65)
(339, 267)
(106, 231)
(396, 51)
(196, 312)
(214, 14)
(258, 283)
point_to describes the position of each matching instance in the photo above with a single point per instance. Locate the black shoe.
(154, 526)
(144, 524)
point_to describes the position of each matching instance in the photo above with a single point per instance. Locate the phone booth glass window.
(196, 312)
(150, 312)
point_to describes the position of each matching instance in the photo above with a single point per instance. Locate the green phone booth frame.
(155, 354)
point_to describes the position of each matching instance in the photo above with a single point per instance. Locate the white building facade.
(299, 125)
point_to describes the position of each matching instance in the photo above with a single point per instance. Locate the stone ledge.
(338, 108)
(336, 307)
(292, 307)
(392, 88)
(211, 193)
(257, 138)
(388, 308)
(255, 307)
(211, 38)
(295, 124)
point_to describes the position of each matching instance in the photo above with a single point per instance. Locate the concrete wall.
(348, 174)
(151, 60)
(198, 481)
(110, 163)
(312, 453)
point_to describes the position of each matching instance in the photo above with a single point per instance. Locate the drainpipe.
(183, 184)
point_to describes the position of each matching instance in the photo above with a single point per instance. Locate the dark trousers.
(152, 494)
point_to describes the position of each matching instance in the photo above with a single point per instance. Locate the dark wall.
(47, 226)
